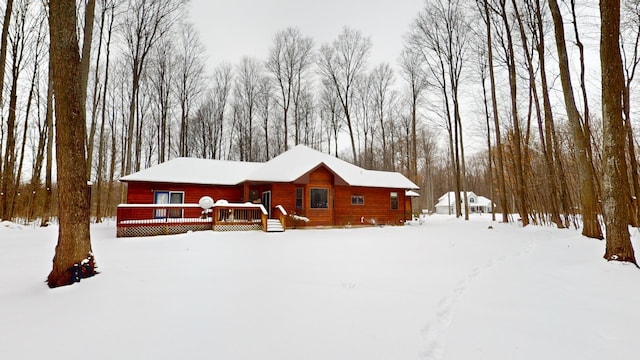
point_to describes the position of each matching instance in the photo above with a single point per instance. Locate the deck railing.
(232, 217)
(163, 219)
(281, 214)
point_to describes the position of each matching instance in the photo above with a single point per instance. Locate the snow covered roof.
(195, 171)
(449, 198)
(483, 201)
(452, 195)
(411, 193)
(286, 167)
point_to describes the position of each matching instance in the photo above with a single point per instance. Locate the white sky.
(232, 29)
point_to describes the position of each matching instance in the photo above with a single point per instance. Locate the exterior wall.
(445, 210)
(285, 195)
(319, 178)
(375, 210)
(143, 192)
(408, 209)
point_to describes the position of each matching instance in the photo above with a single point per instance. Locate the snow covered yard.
(446, 289)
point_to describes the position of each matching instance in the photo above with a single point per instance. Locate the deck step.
(273, 225)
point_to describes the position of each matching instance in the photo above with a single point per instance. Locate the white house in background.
(477, 204)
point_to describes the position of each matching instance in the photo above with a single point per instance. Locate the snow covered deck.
(163, 219)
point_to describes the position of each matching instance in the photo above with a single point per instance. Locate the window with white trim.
(168, 197)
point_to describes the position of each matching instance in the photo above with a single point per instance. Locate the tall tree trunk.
(103, 120)
(496, 121)
(8, 180)
(616, 183)
(546, 150)
(633, 162)
(73, 258)
(591, 226)
(86, 47)
(517, 140)
(48, 183)
(3, 60)
(3, 43)
(26, 124)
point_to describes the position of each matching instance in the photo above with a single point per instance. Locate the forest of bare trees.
(500, 97)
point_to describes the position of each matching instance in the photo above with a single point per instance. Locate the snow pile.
(296, 217)
(447, 289)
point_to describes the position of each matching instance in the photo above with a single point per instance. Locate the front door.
(266, 202)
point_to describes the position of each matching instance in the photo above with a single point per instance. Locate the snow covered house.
(477, 204)
(303, 182)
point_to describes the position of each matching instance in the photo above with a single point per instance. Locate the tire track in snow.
(435, 331)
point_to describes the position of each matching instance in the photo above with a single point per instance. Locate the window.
(319, 198)
(299, 199)
(394, 200)
(472, 200)
(357, 200)
(253, 196)
(168, 197)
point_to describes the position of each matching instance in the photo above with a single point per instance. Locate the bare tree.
(331, 115)
(415, 77)
(588, 197)
(8, 11)
(37, 30)
(341, 64)
(161, 77)
(440, 34)
(615, 183)
(289, 59)
(190, 71)
(629, 45)
(18, 38)
(486, 12)
(106, 5)
(518, 159)
(531, 66)
(265, 97)
(382, 81)
(222, 81)
(74, 258)
(246, 96)
(145, 22)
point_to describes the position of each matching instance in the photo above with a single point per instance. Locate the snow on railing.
(282, 210)
(174, 217)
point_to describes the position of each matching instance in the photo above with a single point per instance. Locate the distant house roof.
(286, 167)
(449, 199)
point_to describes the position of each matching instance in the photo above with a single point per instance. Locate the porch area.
(164, 219)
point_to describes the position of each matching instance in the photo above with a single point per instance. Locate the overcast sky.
(231, 29)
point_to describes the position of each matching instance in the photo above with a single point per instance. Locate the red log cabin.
(312, 185)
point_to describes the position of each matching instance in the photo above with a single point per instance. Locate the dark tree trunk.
(101, 141)
(616, 183)
(517, 140)
(496, 121)
(73, 258)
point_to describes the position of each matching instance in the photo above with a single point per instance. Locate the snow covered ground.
(446, 289)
